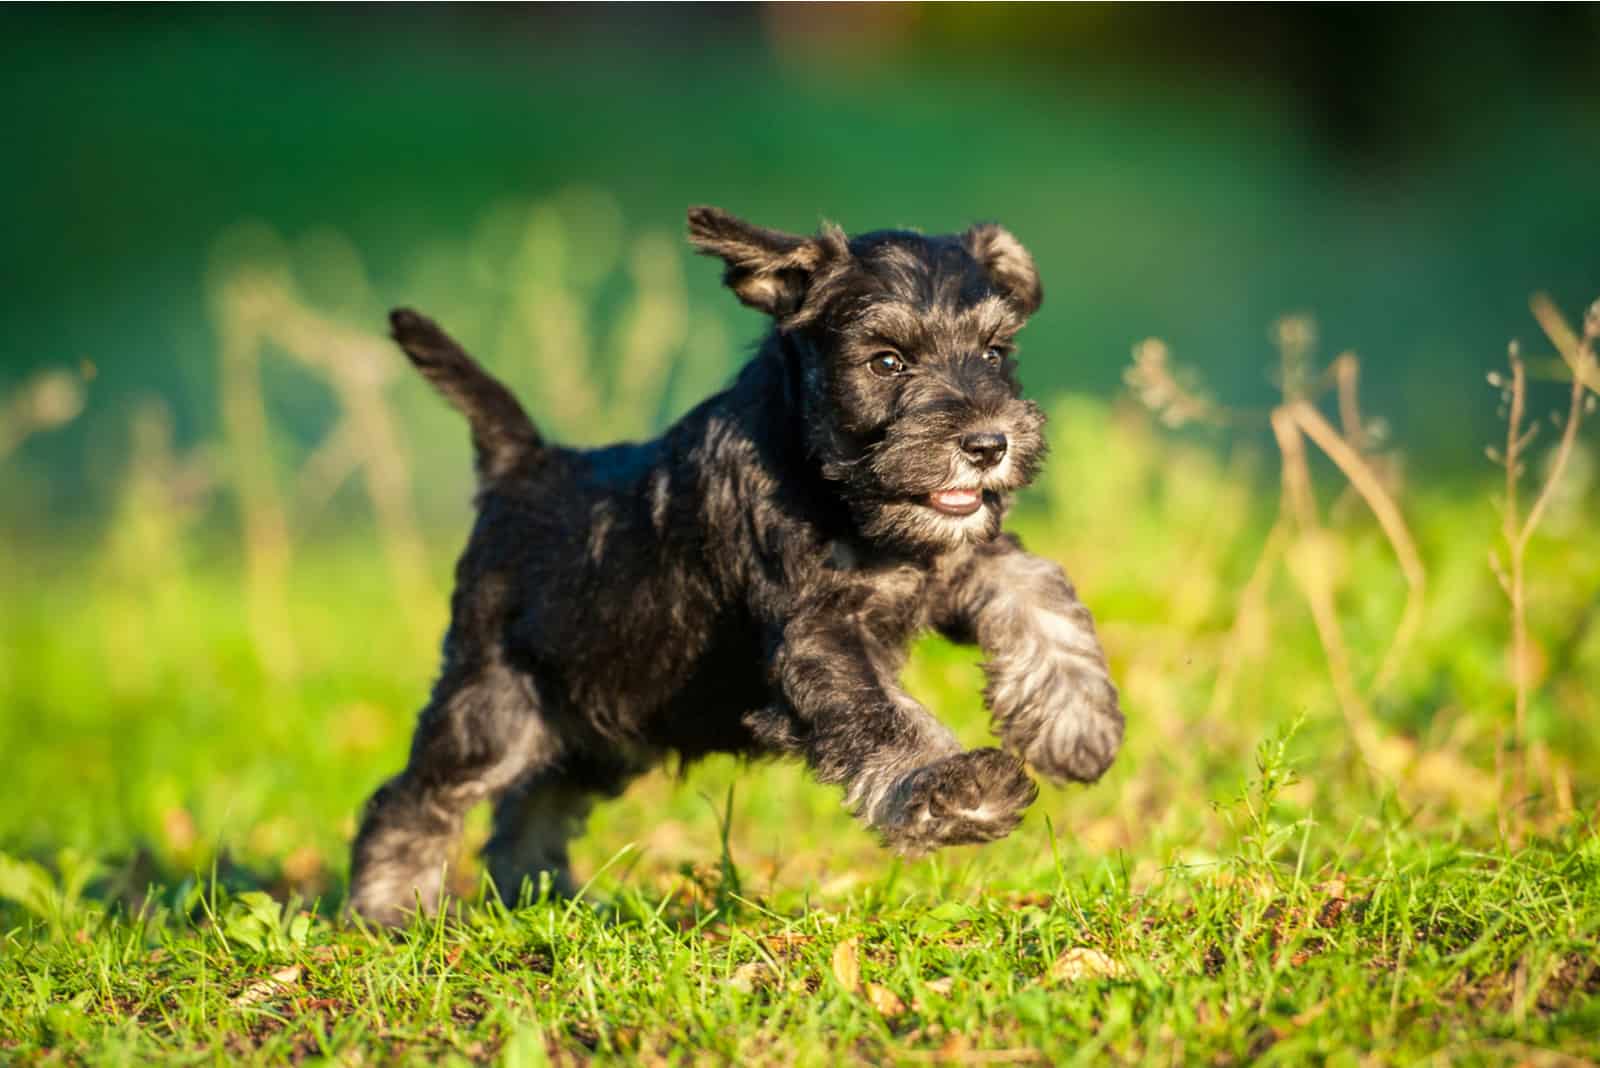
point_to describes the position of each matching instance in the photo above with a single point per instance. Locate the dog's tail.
(502, 433)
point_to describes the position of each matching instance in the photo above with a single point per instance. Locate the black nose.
(984, 449)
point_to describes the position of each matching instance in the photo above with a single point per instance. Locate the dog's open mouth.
(956, 501)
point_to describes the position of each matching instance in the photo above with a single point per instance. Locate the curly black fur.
(749, 581)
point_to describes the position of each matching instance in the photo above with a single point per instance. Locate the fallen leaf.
(752, 976)
(781, 942)
(886, 1001)
(847, 964)
(303, 865)
(1300, 1019)
(941, 986)
(276, 983)
(177, 827)
(1082, 962)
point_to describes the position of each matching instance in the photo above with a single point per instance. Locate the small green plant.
(1263, 836)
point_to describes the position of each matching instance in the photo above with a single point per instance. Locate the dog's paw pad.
(976, 796)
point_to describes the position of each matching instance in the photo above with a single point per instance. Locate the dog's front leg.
(1049, 691)
(903, 772)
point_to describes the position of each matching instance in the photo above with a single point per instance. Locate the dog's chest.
(890, 600)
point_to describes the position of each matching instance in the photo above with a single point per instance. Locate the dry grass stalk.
(358, 365)
(1249, 617)
(1309, 565)
(612, 373)
(266, 526)
(1298, 535)
(552, 319)
(1569, 344)
(655, 329)
(1172, 394)
(1365, 481)
(1347, 376)
(143, 581)
(1516, 528)
(49, 399)
(258, 310)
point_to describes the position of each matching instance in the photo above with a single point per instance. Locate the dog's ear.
(1007, 263)
(767, 269)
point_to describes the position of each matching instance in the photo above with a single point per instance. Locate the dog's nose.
(985, 448)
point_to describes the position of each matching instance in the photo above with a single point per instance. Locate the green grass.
(174, 825)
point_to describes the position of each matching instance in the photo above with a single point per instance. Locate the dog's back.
(592, 570)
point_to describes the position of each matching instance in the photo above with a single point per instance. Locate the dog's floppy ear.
(1007, 263)
(767, 269)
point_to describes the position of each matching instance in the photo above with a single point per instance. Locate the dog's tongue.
(956, 501)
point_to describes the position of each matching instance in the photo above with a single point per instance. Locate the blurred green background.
(1407, 176)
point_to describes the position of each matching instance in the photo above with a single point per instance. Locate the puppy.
(749, 581)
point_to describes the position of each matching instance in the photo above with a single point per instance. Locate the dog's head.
(906, 345)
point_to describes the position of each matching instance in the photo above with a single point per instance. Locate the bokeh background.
(228, 512)
(1408, 176)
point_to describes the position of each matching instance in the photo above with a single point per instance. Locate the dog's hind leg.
(536, 819)
(903, 771)
(480, 734)
(1050, 693)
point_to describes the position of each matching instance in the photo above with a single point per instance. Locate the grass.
(1432, 948)
(1247, 884)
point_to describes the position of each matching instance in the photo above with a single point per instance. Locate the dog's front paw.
(975, 796)
(1072, 737)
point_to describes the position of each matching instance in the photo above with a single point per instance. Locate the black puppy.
(749, 581)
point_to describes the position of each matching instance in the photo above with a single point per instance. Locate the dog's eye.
(995, 355)
(887, 364)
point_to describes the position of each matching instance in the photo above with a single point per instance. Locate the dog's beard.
(914, 490)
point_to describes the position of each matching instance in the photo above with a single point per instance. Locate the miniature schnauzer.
(749, 581)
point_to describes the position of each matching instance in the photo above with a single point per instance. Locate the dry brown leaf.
(886, 1001)
(303, 865)
(782, 943)
(752, 976)
(941, 986)
(847, 964)
(276, 983)
(177, 828)
(1081, 963)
